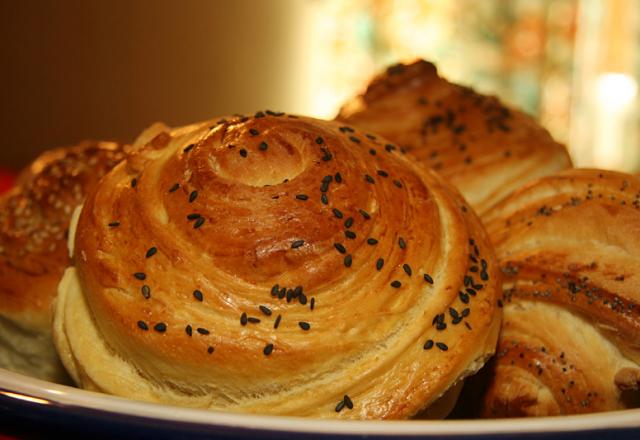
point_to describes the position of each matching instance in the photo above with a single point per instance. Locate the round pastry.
(277, 264)
(34, 221)
(569, 248)
(484, 148)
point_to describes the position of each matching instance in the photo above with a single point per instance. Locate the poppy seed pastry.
(484, 148)
(34, 219)
(569, 247)
(270, 264)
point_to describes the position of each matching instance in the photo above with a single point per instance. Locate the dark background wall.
(105, 69)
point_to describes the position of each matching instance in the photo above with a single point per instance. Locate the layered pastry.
(483, 147)
(277, 264)
(569, 248)
(34, 221)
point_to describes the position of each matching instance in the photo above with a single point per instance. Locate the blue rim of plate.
(37, 409)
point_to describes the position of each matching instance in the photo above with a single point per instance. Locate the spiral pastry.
(484, 148)
(569, 247)
(34, 222)
(277, 264)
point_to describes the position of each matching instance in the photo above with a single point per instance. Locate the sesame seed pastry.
(34, 219)
(484, 148)
(270, 264)
(569, 247)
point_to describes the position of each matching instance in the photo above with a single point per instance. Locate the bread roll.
(569, 247)
(484, 148)
(277, 264)
(34, 221)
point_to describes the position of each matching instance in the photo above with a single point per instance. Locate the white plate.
(37, 408)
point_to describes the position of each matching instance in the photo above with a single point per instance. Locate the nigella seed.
(304, 325)
(354, 139)
(364, 214)
(197, 294)
(382, 173)
(297, 292)
(263, 146)
(463, 297)
(327, 179)
(428, 278)
(143, 325)
(428, 345)
(326, 155)
(202, 331)
(372, 241)
(442, 346)
(302, 197)
(348, 222)
(465, 312)
(345, 129)
(243, 152)
(268, 349)
(114, 224)
(282, 293)
(337, 213)
(193, 196)
(193, 216)
(276, 324)
(340, 406)
(407, 269)
(484, 276)
(253, 320)
(146, 291)
(253, 132)
(379, 263)
(140, 276)
(266, 310)
(468, 280)
(402, 243)
(160, 327)
(348, 260)
(243, 319)
(347, 402)
(134, 182)
(174, 188)
(188, 330)
(350, 235)
(210, 350)
(338, 178)
(259, 115)
(199, 222)
(296, 244)
(324, 187)
(397, 183)
(470, 291)
(312, 303)
(441, 326)
(396, 284)
(340, 248)
(372, 152)
(324, 199)
(369, 179)
(151, 252)
(389, 147)
(453, 312)
(319, 140)
(274, 290)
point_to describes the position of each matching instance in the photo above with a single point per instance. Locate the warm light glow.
(25, 398)
(616, 90)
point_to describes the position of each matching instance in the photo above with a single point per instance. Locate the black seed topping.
(354, 139)
(146, 291)
(324, 199)
(348, 260)
(428, 345)
(337, 213)
(369, 179)
(160, 327)
(347, 402)
(324, 187)
(470, 291)
(243, 319)
(243, 152)
(268, 349)
(453, 312)
(340, 406)
(253, 132)
(312, 303)
(143, 325)
(441, 326)
(189, 148)
(174, 188)
(364, 214)
(296, 244)
(193, 196)
(379, 263)
(465, 312)
(210, 350)
(274, 290)
(348, 222)
(340, 248)
(253, 320)
(303, 299)
(407, 269)
(198, 223)
(468, 280)
(396, 284)
(382, 173)
(189, 330)
(346, 129)
(326, 156)
(114, 224)
(276, 324)
(259, 115)
(266, 310)
(197, 294)
(372, 152)
(484, 276)
(372, 241)
(327, 179)
(193, 216)
(463, 297)
(282, 293)
(140, 275)
(402, 243)
(263, 146)
(203, 331)
(134, 182)
(397, 183)
(302, 197)
(304, 325)
(350, 234)
(389, 147)
(338, 178)
(428, 278)
(319, 140)
(442, 346)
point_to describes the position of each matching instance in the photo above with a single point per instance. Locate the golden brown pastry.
(34, 221)
(569, 247)
(484, 148)
(271, 264)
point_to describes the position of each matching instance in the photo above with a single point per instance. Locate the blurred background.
(105, 69)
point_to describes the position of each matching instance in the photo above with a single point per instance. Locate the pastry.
(483, 147)
(569, 248)
(34, 218)
(276, 264)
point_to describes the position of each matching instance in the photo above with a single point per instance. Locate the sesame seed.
(324, 199)
(382, 173)
(151, 252)
(146, 291)
(114, 224)
(396, 284)
(304, 325)
(134, 182)
(319, 140)
(364, 214)
(369, 179)
(243, 319)
(189, 148)
(210, 349)
(340, 406)
(268, 349)
(372, 241)
(188, 330)
(397, 183)
(348, 260)
(197, 294)
(338, 177)
(274, 290)
(174, 188)
(442, 346)
(243, 152)
(276, 324)
(407, 269)
(199, 222)
(348, 222)
(266, 310)
(296, 244)
(340, 248)
(263, 146)
(348, 402)
(428, 345)
(253, 132)
(202, 331)
(160, 327)
(193, 196)
(140, 275)
(337, 213)
(402, 243)
(193, 216)
(379, 263)
(312, 303)
(143, 325)
(428, 278)
(350, 235)
(302, 197)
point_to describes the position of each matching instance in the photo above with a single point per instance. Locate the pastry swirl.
(277, 264)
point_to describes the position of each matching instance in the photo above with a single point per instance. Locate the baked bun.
(484, 148)
(569, 248)
(272, 264)
(34, 220)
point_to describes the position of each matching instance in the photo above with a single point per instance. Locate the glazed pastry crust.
(486, 149)
(569, 249)
(365, 337)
